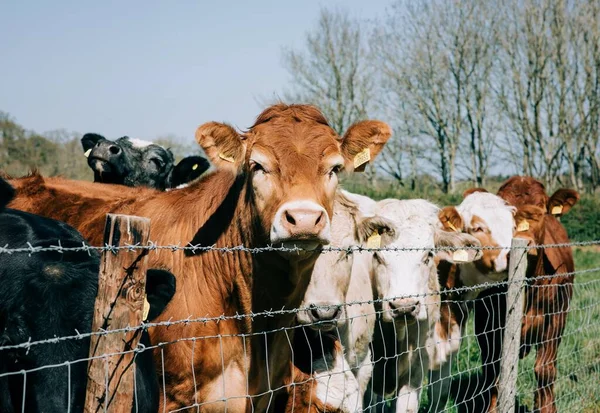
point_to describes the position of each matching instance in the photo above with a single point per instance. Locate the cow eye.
(477, 229)
(256, 167)
(158, 163)
(428, 258)
(335, 170)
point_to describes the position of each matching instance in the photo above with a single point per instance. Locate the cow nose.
(303, 221)
(324, 313)
(114, 149)
(404, 307)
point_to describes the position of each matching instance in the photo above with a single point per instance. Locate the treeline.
(471, 87)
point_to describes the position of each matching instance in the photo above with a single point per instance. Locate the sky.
(152, 68)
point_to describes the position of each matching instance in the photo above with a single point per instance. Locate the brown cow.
(274, 184)
(546, 300)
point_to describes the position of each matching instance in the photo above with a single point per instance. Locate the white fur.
(497, 215)
(139, 143)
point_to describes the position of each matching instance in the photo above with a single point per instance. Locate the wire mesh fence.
(442, 349)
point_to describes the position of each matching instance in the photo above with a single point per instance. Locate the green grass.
(578, 382)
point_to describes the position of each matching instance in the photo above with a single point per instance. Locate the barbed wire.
(151, 246)
(294, 311)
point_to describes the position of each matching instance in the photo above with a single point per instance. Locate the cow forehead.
(297, 155)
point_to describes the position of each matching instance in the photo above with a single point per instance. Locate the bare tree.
(333, 72)
(548, 84)
(437, 59)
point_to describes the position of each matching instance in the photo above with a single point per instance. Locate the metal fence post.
(119, 303)
(515, 301)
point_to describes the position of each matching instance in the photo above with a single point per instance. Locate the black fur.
(48, 294)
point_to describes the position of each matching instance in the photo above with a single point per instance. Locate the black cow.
(188, 170)
(51, 294)
(133, 162)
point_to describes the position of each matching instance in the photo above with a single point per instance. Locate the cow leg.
(408, 399)
(438, 390)
(545, 373)
(490, 316)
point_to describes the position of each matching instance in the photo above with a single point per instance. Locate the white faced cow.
(406, 282)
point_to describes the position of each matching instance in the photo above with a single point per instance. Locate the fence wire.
(447, 361)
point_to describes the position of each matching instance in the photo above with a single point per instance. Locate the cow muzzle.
(321, 316)
(407, 310)
(301, 224)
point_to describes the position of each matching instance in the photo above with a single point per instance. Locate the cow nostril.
(315, 313)
(319, 218)
(114, 150)
(289, 218)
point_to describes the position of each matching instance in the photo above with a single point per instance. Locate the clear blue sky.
(147, 69)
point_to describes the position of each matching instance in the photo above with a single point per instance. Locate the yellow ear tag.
(146, 309)
(460, 256)
(227, 157)
(523, 226)
(362, 157)
(557, 209)
(194, 167)
(87, 153)
(452, 227)
(374, 241)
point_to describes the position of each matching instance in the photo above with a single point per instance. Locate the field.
(578, 382)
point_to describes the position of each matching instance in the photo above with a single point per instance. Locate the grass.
(577, 385)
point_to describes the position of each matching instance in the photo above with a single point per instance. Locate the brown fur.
(220, 209)
(547, 299)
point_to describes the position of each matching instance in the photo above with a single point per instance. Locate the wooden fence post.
(515, 301)
(119, 303)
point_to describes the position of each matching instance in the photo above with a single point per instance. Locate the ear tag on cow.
(523, 226)
(460, 256)
(362, 158)
(374, 241)
(195, 167)
(87, 153)
(146, 309)
(227, 157)
(556, 210)
(452, 227)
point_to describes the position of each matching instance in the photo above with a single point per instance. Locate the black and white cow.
(134, 162)
(50, 294)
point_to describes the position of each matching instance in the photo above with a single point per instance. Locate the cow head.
(59, 301)
(127, 161)
(405, 275)
(291, 159)
(488, 218)
(333, 270)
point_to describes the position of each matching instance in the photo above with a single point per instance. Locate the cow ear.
(160, 288)
(472, 191)
(528, 221)
(562, 201)
(224, 146)
(362, 142)
(463, 247)
(377, 230)
(450, 219)
(89, 140)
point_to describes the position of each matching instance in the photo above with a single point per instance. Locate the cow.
(135, 162)
(546, 298)
(51, 294)
(273, 185)
(406, 285)
(491, 220)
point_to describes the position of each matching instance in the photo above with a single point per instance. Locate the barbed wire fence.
(464, 356)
